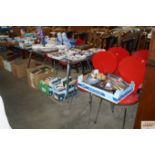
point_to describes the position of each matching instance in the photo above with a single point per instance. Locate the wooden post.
(146, 108)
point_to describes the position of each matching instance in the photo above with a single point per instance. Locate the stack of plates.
(47, 48)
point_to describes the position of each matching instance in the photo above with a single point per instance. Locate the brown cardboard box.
(1, 62)
(19, 67)
(34, 75)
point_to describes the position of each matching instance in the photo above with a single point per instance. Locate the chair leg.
(82, 68)
(112, 107)
(124, 117)
(98, 111)
(77, 68)
(90, 104)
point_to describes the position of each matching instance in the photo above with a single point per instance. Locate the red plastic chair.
(63, 63)
(142, 54)
(132, 69)
(105, 62)
(119, 52)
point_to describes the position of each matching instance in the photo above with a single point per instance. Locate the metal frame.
(99, 110)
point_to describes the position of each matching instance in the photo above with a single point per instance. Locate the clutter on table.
(46, 48)
(73, 54)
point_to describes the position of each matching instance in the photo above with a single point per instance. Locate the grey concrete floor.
(27, 108)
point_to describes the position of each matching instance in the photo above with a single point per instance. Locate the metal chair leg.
(98, 111)
(90, 104)
(82, 67)
(124, 118)
(112, 107)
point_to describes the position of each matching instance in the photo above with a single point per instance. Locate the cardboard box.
(7, 65)
(7, 58)
(9, 55)
(34, 75)
(19, 67)
(1, 62)
(45, 88)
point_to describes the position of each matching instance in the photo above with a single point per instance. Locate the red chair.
(105, 62)
(142, 54)
(119, 52)
(64, 64)
(130, 69)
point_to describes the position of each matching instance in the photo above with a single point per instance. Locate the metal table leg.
(124, 117)
(54, 64)
(98, 110)
(29, 61)
(68, 74)
(73, 95)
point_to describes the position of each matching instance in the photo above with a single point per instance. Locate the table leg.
(54, 64)
(98, 110)
(67, 82)
(29, 61)
(73, 95)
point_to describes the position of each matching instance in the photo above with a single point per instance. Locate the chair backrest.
(132, 69)
(142, 54)
(105, 62)
(4, 124)
(119, 52)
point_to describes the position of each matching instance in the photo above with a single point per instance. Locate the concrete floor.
(27, 108)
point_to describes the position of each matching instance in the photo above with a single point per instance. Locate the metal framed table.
(69, 63)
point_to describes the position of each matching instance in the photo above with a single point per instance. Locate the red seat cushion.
(130, 100)
(119, 52)
(105, 62)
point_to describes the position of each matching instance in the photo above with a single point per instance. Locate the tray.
(115, 97)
